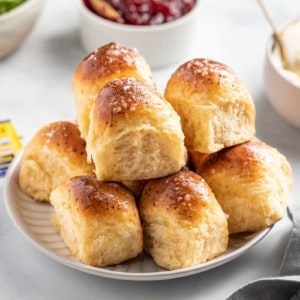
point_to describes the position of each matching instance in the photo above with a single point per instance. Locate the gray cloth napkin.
(269, 289)
(291, 261)
(283, 287)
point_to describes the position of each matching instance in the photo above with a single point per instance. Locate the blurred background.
(233, 32)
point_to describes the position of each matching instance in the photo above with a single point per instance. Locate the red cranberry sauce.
(149, 12)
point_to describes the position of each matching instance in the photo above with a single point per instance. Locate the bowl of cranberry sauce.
(163, 31)
(140, 12)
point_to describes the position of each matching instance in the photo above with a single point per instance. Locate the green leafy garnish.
(7, 5)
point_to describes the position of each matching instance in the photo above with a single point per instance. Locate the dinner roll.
(55, 153)
(98, 221)
(183, 223)
(136, 187)
(134, 133)
(216, 109)
(196, 158)
(109, 62)
(251, 181)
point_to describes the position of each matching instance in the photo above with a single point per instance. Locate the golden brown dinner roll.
(251, 181)
(109, 62)
(98, 221)
(216, 109)
(183, 223)
(55, 153)
(134, 133)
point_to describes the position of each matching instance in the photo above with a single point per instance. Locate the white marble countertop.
(35, 88)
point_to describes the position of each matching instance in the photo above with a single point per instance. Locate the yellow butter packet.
(10, 144)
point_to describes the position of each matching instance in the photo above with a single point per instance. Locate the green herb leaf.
(7, 5)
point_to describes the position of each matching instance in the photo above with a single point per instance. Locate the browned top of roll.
(108, 59)
(183, 193)
(241, 159)
(63, 136)
(122, 97)
(96, 197)
(202, 73)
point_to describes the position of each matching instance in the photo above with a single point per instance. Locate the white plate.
(33, 219)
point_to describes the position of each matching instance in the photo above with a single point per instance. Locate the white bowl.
(161, 45)
(16, 24)
(282, 87)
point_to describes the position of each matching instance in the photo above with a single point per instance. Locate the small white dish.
(282, 87)
(16, 24)
(161, 45)
(33, 219)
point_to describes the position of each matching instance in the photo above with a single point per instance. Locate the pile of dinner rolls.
(170, 175)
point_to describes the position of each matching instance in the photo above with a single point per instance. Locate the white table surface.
(35, 89)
